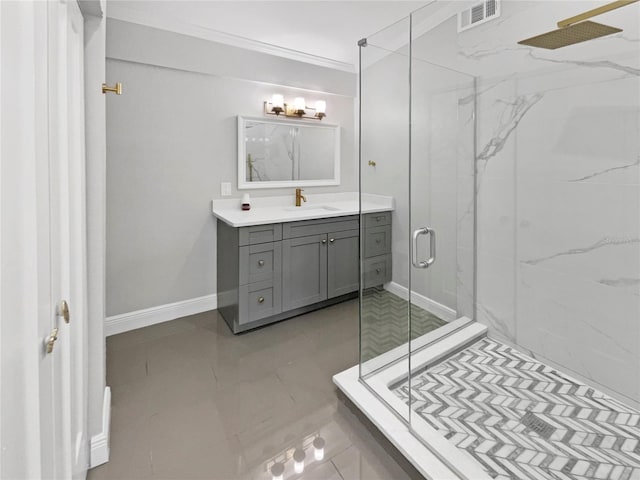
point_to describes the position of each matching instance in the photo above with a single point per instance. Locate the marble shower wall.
(558, 195)
(559, 221)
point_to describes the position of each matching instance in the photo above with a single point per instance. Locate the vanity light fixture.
(297, 109)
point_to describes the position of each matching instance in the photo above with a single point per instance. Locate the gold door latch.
(63, 311)
(51, 340)
(117, 89)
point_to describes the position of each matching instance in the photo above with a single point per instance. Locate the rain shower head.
(577, 29)
(563, 37)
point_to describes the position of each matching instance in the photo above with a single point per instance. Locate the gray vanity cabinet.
(342, 270)
(377, 249)
(304, 271)
(271, 272)
(320, 260)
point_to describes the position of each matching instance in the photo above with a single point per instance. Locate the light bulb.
(318, 448)
(298, 460)
(299, 104)
(277, 471)
(277, 100)
(321, 106)
(277, 103)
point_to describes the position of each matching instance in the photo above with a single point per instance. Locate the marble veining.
(636, 163)
(620, 282)
(603, 242)
(515, 110)
(591, 64)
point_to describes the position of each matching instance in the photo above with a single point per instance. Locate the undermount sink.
(312, 208)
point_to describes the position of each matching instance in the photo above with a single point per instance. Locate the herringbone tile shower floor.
(524, 420)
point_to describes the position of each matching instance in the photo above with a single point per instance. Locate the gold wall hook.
(117, 89)
(372, 163)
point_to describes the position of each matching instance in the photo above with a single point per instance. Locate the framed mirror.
(274, 153)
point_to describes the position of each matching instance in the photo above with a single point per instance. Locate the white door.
(68, 232)
(42, 241)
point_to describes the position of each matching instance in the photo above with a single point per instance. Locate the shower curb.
(450, 462)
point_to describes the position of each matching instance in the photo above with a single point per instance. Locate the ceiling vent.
(478, 14)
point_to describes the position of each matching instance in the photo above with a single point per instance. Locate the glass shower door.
(442, 212)
(384, 220)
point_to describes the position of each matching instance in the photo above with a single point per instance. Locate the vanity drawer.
(377, 219)
(259, 300)
(377, 271)
(318, 227)
(260, 234)
(377, 241)
(260, 262)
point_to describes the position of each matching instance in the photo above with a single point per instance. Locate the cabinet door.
(342, 263)
(304, 271)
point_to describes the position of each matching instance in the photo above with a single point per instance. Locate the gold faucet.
(299, 197)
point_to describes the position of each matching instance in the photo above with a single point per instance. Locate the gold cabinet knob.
(63, 311)
(261, 263)
(51, 340)
(323, 241)
(261, 300)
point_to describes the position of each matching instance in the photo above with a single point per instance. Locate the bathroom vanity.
(270, 270)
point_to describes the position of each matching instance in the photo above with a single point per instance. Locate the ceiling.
(319, 32)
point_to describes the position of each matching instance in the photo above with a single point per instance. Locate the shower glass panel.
(384, 165)
(442, 193)
(417, 129)
(441, 189)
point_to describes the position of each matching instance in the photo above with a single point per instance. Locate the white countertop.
(266, 210)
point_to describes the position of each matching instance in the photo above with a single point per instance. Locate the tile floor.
(385, 322)
(191, 400)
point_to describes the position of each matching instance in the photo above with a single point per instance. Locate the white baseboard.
(163, 313)
(439, 310)
(100, 442)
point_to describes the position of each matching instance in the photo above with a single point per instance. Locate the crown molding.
(132, 15)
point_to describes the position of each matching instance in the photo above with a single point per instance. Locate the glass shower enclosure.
(515, 178)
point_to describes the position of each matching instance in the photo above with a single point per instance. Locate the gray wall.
(171, 140)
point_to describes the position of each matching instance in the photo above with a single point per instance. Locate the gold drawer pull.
(261, 300)
(261, 263)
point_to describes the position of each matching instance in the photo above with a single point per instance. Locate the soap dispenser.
(246, 202)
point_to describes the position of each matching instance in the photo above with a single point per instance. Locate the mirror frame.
(243, 184)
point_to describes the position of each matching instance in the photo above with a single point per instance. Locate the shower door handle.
(432, 248)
